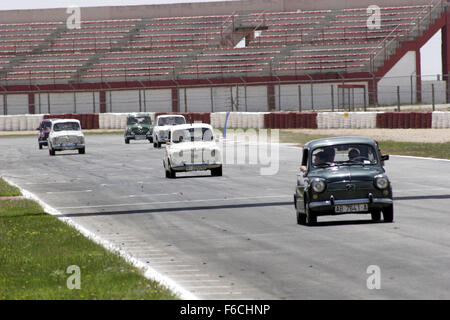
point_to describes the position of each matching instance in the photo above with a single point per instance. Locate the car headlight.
(318, 185)
(381, 182)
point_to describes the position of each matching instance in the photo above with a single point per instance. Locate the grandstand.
(220, 44)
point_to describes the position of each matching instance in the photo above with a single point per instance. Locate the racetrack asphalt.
(236, 236)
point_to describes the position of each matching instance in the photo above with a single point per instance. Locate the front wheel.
(216, 172)
(376, 215)
(82, 151)
(388, 213)
(51, 151)
(311, 217)
(127, 141)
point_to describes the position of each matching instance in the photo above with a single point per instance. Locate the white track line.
(149, 272)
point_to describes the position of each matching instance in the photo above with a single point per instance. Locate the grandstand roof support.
(31, 103)
(418, 77)
(446, 52)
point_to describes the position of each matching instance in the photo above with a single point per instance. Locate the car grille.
(139, 131)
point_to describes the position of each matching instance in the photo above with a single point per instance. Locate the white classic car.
(162, 127)
(192, 147)
(65, 134)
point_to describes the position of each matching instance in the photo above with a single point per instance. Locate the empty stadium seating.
(293, 42)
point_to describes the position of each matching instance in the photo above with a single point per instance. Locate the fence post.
(398, 98)
(5, 104)
(110, 101)
(93, 102)
(332, 98)
(212, 98)
(279, 95)
(365, 99)
(312, 96)
(140, 101)
(299, 98)
(48, 102)
(39, 98)
(74, 102)
(411, 87)
(185, 100)
(145, 100)
(432, 97)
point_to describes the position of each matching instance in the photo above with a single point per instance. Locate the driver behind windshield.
(353, 154)
(320, 158)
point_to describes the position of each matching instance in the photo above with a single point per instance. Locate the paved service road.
(236, 237)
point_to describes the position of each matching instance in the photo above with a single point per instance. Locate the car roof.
(338, 140)
(190, 126)
(64, 120)
(139, 114)
(170, 115)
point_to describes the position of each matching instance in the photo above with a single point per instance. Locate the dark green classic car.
(342, 175)
(139, 127)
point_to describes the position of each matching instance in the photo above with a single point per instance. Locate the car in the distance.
(44, 130)
(342, 175)
(66, 134)
(163, 124)
(139, 127)
(192, 147)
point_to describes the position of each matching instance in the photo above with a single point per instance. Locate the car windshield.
(170, 121)
(193, 134)
(139, 120)
(66, 126)
(344, 154)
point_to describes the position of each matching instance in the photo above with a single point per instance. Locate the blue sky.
(430, 52)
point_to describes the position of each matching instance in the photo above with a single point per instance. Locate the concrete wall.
(399, 75)
(324, 97)
(15, 104)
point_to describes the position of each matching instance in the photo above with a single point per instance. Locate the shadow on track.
(176, 209)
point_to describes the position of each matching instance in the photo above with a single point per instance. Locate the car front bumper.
(68, 146)
(195, 166)
(327, 207)
(139, 136)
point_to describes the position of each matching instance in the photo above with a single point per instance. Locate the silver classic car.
(66, 134)
(192, 147)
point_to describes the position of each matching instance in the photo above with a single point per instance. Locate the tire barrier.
(258, 120)
(354, 120)
(440, 120)
(113, 121)
(405, 120)
(191, 117)
(290, 120)
(88, 121)
(239, 120)
(27, 122)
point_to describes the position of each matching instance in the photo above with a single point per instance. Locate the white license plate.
(346, 208)
(140, 137)
(196, 168)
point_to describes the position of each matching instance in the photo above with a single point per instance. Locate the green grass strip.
(7, 190)
(36, 249)
(417, 149)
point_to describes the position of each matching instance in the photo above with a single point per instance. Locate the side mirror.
(385, 157)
